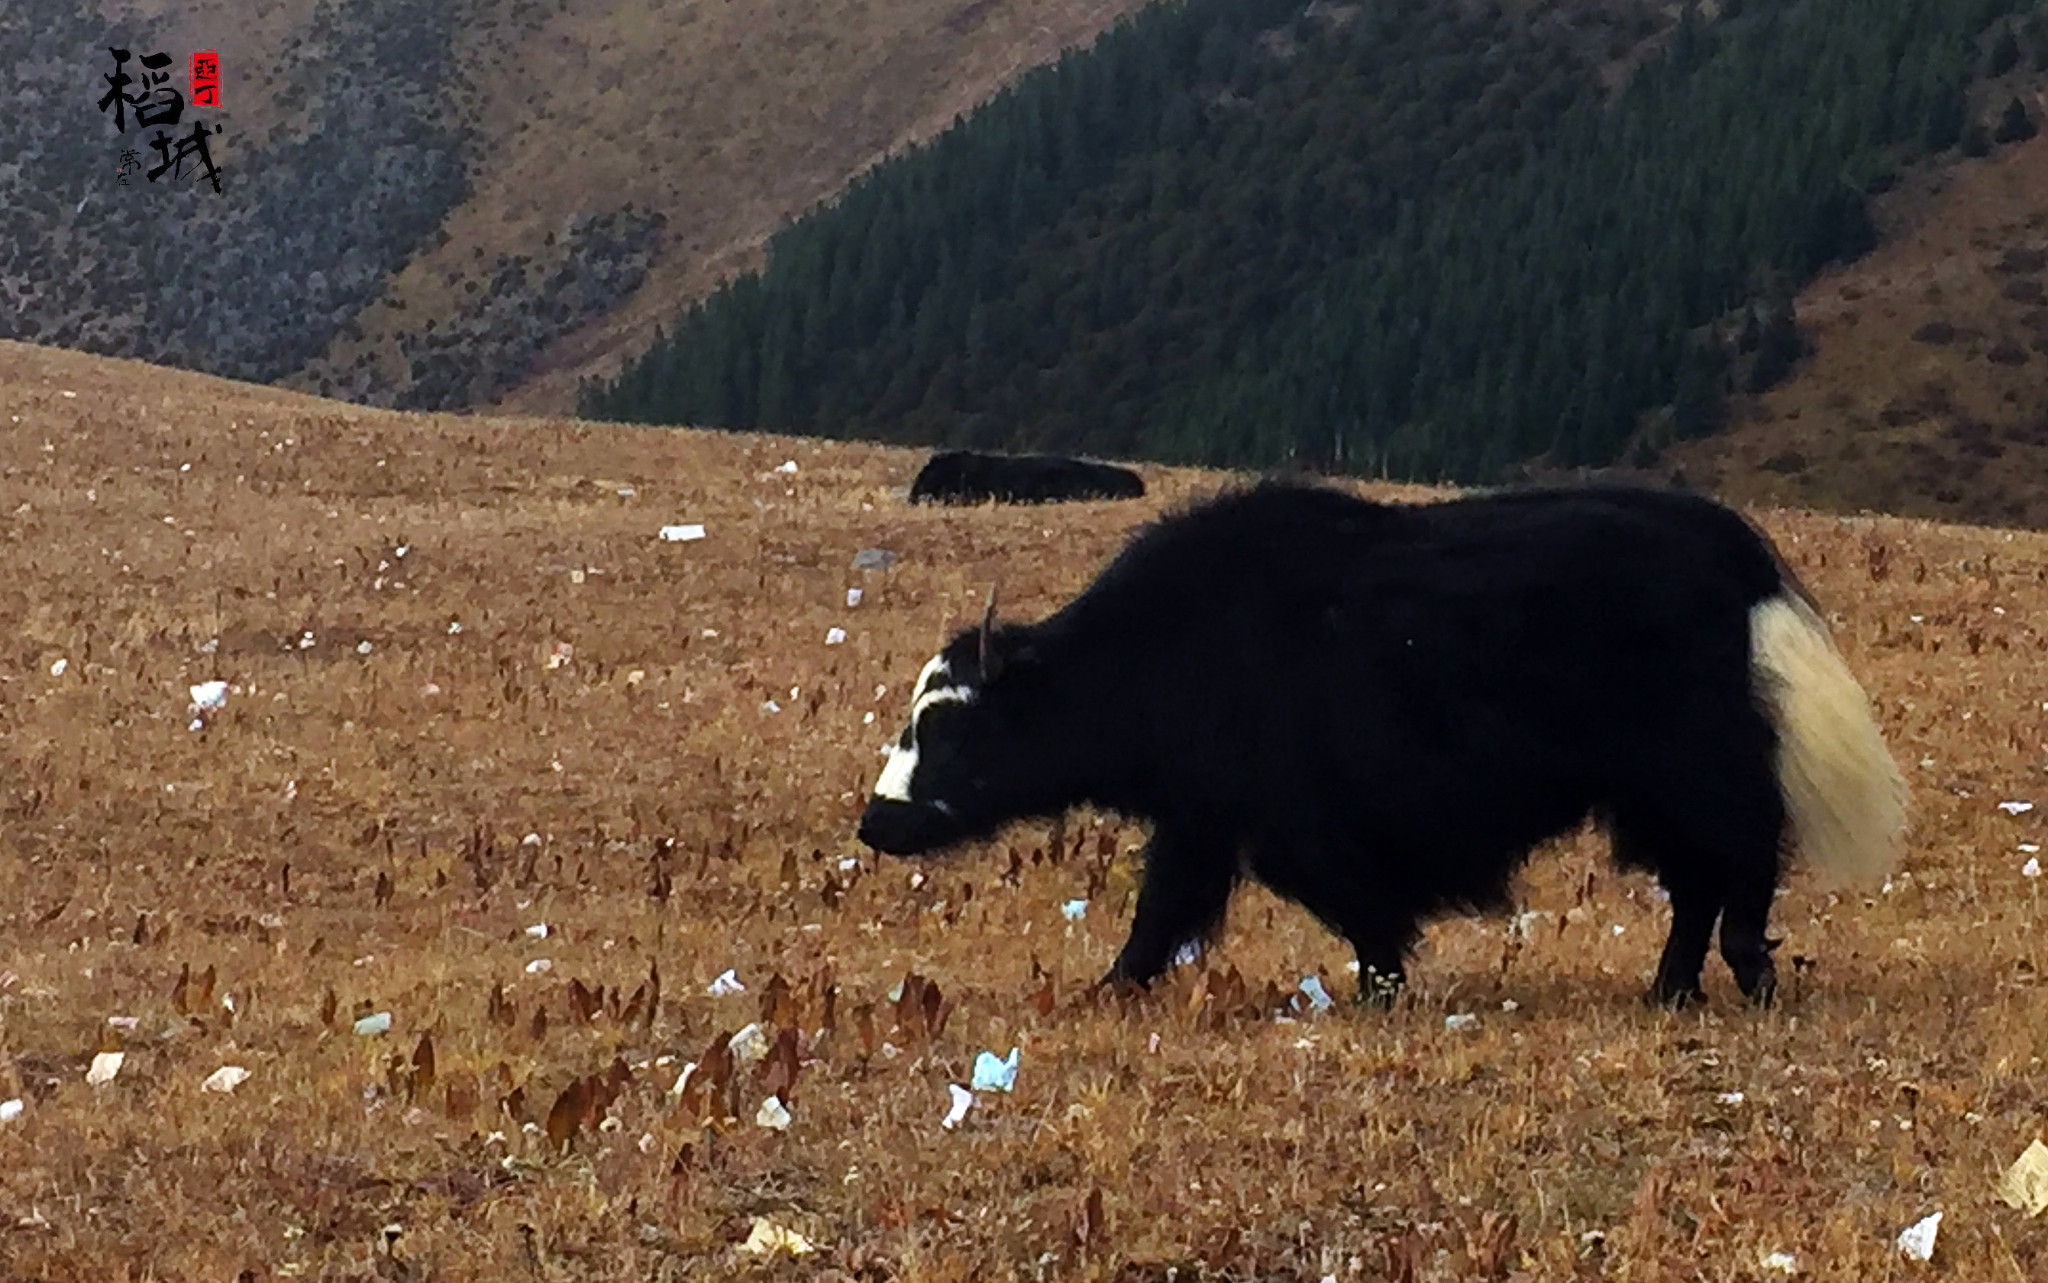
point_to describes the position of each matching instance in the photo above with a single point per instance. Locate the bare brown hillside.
(500, 767)
(1927, 389)
(703, 124)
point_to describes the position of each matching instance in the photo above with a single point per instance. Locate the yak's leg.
(1749, 842)
(1186, 890)
(1641, 841)
(1382, 948)
(1693, 910)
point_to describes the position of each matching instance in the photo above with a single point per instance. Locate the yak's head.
(971, 757)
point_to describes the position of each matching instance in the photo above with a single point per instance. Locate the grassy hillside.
(433, 204)
(1923, 392)
(1401, 238)
(650, 749)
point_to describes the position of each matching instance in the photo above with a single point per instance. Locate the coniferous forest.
(1407, 238)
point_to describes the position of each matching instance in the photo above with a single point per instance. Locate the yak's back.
(1289, 541)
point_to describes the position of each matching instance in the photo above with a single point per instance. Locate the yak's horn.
(988, 623)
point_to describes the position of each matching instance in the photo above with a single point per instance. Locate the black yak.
(1377, 710)
(966, 476)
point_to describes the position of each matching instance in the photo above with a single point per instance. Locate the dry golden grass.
(348, 835)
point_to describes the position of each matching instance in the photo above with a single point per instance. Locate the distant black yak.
(966, 476)
(1378, 710)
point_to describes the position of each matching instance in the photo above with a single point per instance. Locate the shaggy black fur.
(964, 476)
(1377, 710)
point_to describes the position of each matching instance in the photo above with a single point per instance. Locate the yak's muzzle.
(907, 828)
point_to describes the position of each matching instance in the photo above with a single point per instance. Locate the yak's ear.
(989, 664)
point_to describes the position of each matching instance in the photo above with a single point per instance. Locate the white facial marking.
(895, 782)
(931, 690)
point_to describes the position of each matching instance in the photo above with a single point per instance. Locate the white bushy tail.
(1845, 799)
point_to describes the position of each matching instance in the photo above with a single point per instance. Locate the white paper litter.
(834, 636)
(379, 1023)
(1462, 1020)
(10, 1109)
(2015, 808)
(725, 984)
(225, 1079)
(57, 669)
(994, 1074)
(767, 1237)
(1074, 910)
(2025, 1183)
(538, 931)
(1730, 1098)
(104, 1066)
(683, 1080)
(540, 966)
(853, 596)
(772, 1115)
(1187, 953)
(2032, 868)
(1917, 1239)
(1318, 997)
(1782, 1262)
(681, 534)
(787, 466)
(963, 1100)
(209, 695)
(749, 1046)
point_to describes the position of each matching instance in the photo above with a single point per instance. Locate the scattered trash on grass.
(207, 696)
(725, 984)
(1318, 997)
(767, 1237)
(2015, 808)
(1462, 1020)
(873, 559)
(1917, 1240)
(10, 1109)
(963, 1100)
(772, 1115)
(994, 1074)
(225, 1079)
(681, 534)
(2025, 1183)
(853, 596)
(749, 1046)
(379, 1023)
(104, 1066)
(834, 636)
(1074, 910)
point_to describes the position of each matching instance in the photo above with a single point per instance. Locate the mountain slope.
(1403, 237)
(426, 203)
(1926, 392)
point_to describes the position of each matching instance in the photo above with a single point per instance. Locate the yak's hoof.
(1675, 997)
(1761, 988)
